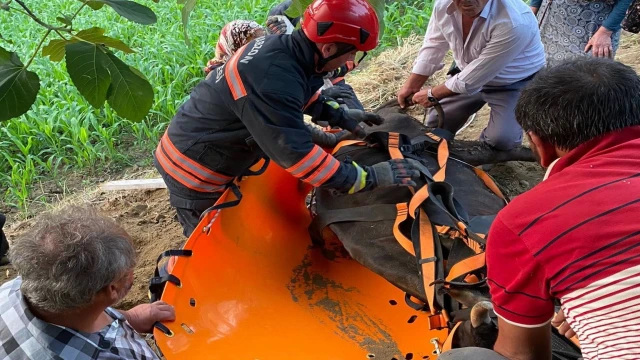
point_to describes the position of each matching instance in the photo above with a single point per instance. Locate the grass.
(63, 133)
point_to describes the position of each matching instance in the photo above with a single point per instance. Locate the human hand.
(405, 94)
(421, 98)
(600, 43)
(276, 25)
(394, 172)
(368, 118)
(350, 119)
(337, 93)
(142, 317)
(559, 321)
(535, 10)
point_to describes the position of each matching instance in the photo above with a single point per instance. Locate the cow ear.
(480, 313)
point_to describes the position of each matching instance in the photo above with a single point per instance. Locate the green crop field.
(62, 132)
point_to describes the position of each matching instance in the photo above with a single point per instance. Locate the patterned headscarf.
(233, 36)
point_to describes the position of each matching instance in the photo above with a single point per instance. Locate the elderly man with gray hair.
(72, 268)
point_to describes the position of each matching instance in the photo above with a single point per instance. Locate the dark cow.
(369, 240)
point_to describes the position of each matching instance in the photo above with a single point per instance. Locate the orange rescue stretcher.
(250, 285)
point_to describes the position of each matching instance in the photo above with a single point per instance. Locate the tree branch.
(38, 48)
(84, 3)
(42, 23)
(62, 36)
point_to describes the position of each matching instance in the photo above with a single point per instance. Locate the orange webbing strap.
(449, 342)
(344, 143)
(443, 156)
(418, 198)
(466, 266)
(428, 261)
(337, 80)
(443, 229)
(312, 100)
(489, 182)
(394, 146)
(472, 244)
(402, 240)
(233, 76)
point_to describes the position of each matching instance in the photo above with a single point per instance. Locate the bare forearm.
(441, 92)
(416, 81)
(520, 343)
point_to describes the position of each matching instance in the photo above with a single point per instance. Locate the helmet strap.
(322, 61)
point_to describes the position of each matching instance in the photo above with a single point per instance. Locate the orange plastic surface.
(262, 291)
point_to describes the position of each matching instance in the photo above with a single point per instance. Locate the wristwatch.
(432, 99)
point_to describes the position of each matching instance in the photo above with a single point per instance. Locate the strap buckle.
(438, 321)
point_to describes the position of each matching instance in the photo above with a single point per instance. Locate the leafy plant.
(94, 69)
(69, 136)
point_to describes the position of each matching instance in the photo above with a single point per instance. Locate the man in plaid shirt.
(72, 268)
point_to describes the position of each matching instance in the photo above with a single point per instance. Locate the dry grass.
(380, 78)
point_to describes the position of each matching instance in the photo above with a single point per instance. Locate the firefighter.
(252, 108)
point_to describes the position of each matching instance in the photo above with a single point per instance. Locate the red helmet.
(352, 22)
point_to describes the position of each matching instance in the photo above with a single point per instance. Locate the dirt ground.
(147, 216)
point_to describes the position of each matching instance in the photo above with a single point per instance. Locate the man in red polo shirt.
(574, 238)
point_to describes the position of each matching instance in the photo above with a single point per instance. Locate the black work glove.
(351, 118)
(337, 93)
(395, 172)
(326, 139)
(276, 25)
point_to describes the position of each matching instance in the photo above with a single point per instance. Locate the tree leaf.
(130, 95)
(187, 9)
(96, 35)
(6, 40)
(18, 86)
(54, 49)
(131, 10)
(65, 20)
(298, 7)
(95, 5)
(86, 65)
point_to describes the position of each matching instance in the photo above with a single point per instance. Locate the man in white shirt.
(496, 44)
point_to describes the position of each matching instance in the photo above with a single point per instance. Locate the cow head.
(479, 329)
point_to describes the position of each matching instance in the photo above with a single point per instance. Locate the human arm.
(506, 43)
(324, 138)
(600, 43)
(274, 119)
(521, 343)
(614, 20)
(329, 110)
(439, 92)
(142, 317)
(535, 5)
(520, 294)
(429, 60)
